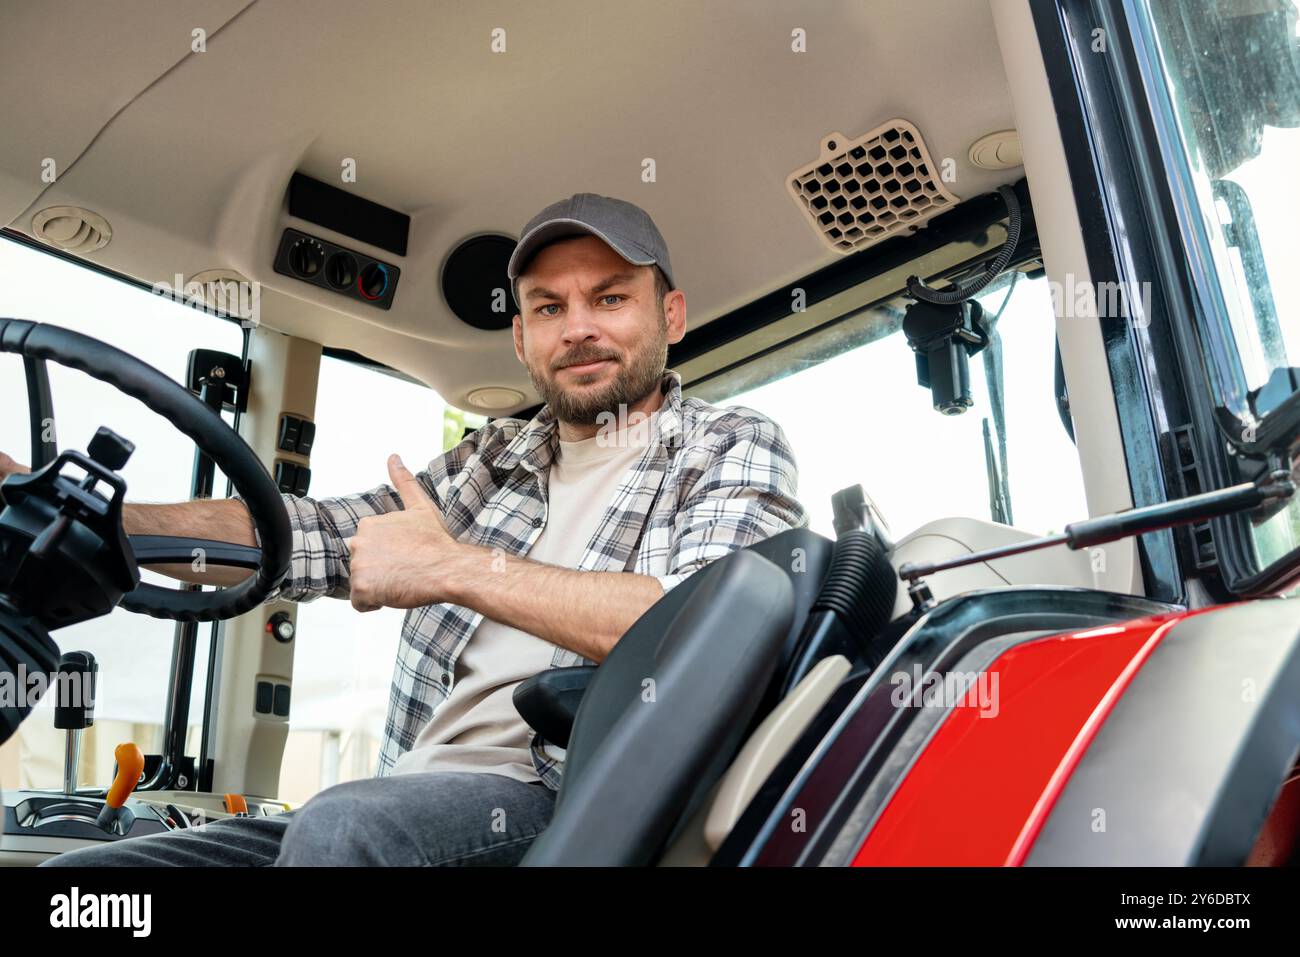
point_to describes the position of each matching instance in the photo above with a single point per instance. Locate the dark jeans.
(422, 820)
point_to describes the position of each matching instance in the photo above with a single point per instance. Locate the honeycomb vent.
(863, 190)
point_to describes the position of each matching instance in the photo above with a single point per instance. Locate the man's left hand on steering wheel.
(47, 496)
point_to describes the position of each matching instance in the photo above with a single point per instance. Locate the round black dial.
(341, 270)
(306, 257)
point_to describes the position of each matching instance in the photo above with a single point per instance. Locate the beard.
(632, 381)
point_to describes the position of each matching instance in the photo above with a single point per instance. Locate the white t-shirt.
(476, 728)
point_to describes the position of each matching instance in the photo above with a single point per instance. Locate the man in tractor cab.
(615, 491)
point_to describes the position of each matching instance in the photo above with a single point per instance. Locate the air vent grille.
(225, 293)
(867, 189)
(72, 229)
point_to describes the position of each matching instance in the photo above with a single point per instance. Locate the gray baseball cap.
(626, 228)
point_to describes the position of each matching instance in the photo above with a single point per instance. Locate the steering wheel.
(36, 340)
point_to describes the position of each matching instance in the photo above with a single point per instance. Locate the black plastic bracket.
(208, 366)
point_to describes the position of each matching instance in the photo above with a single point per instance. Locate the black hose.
(947, 297)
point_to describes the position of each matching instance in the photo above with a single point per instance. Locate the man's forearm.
(586, 612)
(218, 520)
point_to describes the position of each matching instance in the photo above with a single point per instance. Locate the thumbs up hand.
(401, 559)
(414, 497)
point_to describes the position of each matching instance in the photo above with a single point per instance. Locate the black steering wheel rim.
(209, 431)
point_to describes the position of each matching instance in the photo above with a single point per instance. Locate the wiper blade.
(999, 501)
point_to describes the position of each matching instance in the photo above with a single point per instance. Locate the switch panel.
(286, 476)
(265, 697)
(271, 700)
(306, 436)
(290, 430)
(296, 435)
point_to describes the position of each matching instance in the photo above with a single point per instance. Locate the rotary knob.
(280, 627)
(306, 257)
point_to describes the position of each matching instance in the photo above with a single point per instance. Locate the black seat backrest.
(665, 712)
(805, 557)
(549, 701)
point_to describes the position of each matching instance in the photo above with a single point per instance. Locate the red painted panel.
(981, 790)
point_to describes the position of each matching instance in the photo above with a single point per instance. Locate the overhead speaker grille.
(72, 229)
(864, 190)
(475, 284)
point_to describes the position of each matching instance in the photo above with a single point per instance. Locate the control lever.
(74, 707)
(116, 817)
(853, 509)
(107, 449)
(849, 507)
(236, 804)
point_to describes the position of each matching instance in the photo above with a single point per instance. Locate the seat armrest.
(548, 701)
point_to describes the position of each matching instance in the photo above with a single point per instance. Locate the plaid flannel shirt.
(711, 480)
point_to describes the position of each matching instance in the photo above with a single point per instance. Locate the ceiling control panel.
(339, 270)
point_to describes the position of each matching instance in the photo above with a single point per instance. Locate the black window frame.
(1133, 206)
(1216, 390)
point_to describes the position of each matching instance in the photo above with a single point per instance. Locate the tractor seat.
(649, 732)
(549, 701)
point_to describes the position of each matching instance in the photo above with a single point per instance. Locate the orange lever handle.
(130, 764)
(235, 804)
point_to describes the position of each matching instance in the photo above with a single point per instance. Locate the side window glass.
(13, 398)
(133, 651)
(343, 660)
(1233, 74)
(1233, 71)
(860, 416)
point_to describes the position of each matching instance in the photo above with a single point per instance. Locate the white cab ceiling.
(188, 154)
